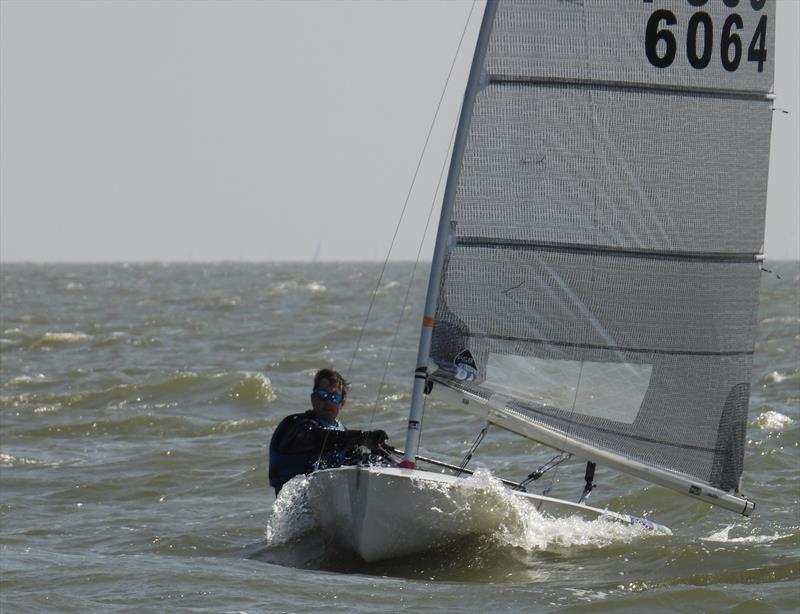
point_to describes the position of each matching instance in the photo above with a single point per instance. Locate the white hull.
(382, 512)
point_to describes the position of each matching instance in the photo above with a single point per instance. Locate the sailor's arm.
(307, 436)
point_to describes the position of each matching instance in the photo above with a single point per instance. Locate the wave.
(56, 340)
(252, 387)
(291, 514)
(776, 377)
(772, 420)
(33, 318)
(48, 340)
(282, 287)
(387, 288)
(243, 388)
(290, 364)
(26, 380)
(7, 460)
(228, 303)
(142, 427)
(525, 527)
(791, 320)
(46, 409)
(112, 338)
(723, 536)
(132, 428)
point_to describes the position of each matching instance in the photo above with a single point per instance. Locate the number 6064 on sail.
(705, 39)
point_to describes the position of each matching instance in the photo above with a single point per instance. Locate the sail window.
(611, 390)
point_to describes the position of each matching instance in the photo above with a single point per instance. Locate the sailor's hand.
(373, 439)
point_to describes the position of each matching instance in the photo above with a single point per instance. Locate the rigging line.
(408, 195)
(414, 272)
(553, 462)
(570, 422)
(397, 227)
(471, 451)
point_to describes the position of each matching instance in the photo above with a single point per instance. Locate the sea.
(136, 405)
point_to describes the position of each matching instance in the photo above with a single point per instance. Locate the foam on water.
(229, 302)
(281, 287)
(46, 409)
(113, 337)
(59, 338)
(316, 287)
(773, 421)
(525, 527)
(386, 288)
(26, 380)
(291, 514)
(776, 377)
(252, 386)
(723, 536)
(781, 320)
(290, 285)
(7, 460)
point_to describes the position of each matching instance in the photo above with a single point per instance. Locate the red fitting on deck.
(407, 464)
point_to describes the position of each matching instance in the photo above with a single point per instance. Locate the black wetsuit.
(297, 446)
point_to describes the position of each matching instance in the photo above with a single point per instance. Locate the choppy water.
(136, 404)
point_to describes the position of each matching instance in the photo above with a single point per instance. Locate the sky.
(258, 131)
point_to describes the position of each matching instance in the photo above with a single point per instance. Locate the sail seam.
(609, 251)
(613, 348)
(625, 86)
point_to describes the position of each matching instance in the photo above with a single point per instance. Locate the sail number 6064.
(700, 39)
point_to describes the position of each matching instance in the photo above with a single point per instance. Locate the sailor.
(317, 439)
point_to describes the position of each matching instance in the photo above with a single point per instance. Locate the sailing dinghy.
(595, 275)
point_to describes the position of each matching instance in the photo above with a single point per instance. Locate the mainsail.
(605, 219)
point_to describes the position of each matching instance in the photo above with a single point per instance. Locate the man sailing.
(316, 439)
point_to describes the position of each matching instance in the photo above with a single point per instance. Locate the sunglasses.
(333, 397)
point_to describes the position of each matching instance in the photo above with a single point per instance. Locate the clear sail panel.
(609, 390)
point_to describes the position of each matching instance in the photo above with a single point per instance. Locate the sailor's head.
(329, 394)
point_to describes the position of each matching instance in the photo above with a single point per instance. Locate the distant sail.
(601, 281)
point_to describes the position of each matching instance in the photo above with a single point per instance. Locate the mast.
(440, 247)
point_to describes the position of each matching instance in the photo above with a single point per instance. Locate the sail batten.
(625, 86)
(613, 348)
(601, 274)
(578, 248)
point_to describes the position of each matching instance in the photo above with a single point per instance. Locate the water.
(137, 402)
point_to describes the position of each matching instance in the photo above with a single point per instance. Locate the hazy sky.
(255, 130)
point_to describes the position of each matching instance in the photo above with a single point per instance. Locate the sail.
(601, 275)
